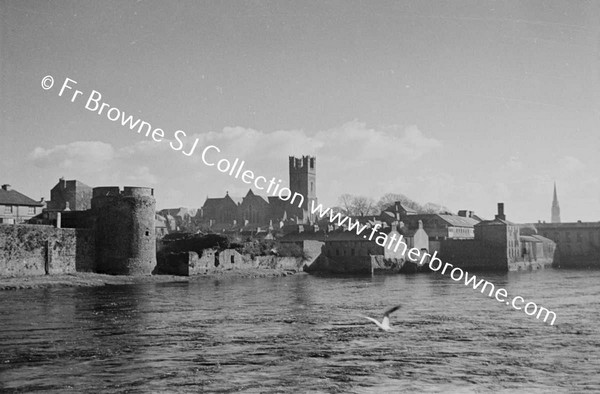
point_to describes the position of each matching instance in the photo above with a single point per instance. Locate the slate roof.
(528, 238)
(542, 238)
(408, 210)
(78, 184)
(252, 194)
(495, 222)
(216, 202)
(459, 221)
(13, 197)
(304, 236)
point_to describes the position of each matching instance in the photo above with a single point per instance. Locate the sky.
(460, 103)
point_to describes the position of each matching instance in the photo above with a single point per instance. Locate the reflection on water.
(302, 333)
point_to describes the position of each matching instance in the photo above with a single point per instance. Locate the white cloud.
(87, 154)
(350, 158)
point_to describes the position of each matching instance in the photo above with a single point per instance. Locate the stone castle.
(124, 230)
(115, 236)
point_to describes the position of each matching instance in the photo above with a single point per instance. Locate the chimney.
(465, 213)
(500, 214)
(6, 187)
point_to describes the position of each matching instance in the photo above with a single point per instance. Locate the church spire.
(555, 207)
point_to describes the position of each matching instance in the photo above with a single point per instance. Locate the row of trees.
(354, 205)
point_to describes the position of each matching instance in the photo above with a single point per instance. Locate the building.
(70, 195)
(555, 218)
(395, 212)
(161, 227)
(348, 252)
(261, 211)
(443, 226)
(498, 245)
(578, 243)
(178, 219)
(16, 207)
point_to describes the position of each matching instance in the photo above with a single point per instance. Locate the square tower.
(303, 180)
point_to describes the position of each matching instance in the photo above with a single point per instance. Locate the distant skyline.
(464, 104)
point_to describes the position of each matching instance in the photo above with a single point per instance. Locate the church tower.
(555, 208)
(303, 180)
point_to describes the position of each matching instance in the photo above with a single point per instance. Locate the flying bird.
(385, 323)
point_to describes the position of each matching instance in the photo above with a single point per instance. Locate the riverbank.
(86, 279)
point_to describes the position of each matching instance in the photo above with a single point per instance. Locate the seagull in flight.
(385, 323)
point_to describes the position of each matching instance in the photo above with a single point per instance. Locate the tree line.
(354, 205)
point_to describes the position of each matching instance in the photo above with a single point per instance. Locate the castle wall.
(125, 233)
(275, 262)
(189, 263)
(28, 250)
(230, 259)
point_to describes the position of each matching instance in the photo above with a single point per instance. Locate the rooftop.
(9, 196)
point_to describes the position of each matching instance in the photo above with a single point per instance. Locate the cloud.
(350, 158)
(78, 154)
(142, 176)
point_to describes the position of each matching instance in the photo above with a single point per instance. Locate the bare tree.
(364, 206)
(345, 201)
(357, 205)
(431, 207)
(390, 198)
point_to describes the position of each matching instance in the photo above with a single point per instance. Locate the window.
(352, 252)
(8, 209)
(31, 211)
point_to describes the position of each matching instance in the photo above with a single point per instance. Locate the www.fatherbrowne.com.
(435, 264)
(114, 114)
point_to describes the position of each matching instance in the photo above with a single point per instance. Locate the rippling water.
(302, 334)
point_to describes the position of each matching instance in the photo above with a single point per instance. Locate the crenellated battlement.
(305, 163)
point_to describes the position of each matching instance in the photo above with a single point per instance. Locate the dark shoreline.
(88, 279)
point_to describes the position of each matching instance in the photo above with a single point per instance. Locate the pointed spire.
(555, 218)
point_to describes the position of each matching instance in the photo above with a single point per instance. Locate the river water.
(303, 333)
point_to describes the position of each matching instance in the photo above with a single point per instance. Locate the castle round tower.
(125, 237)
